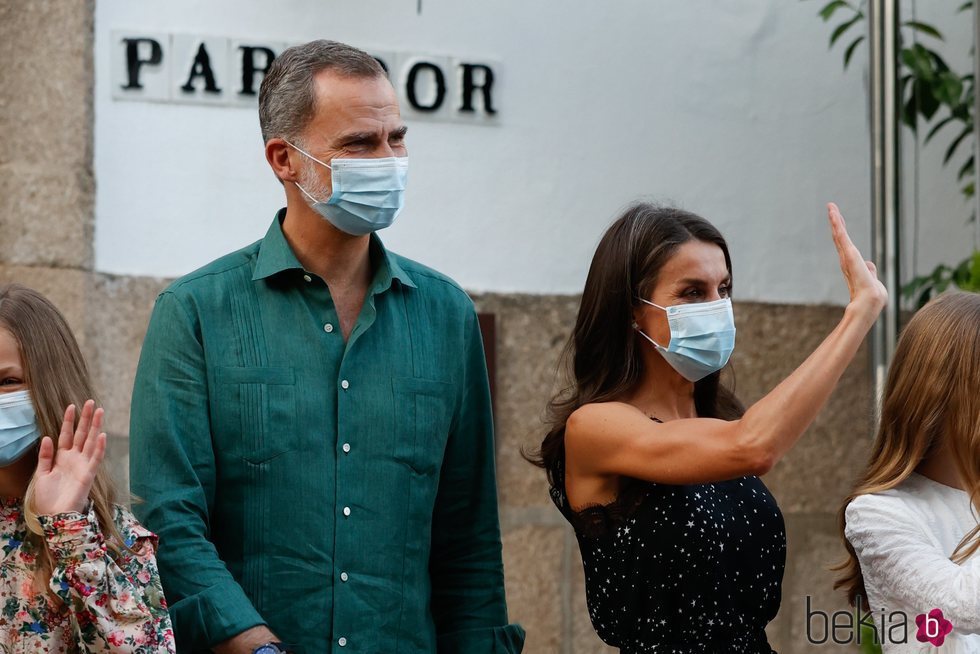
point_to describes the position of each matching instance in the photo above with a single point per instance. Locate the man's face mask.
(367, 193)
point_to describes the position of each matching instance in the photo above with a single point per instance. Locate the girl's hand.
(861, 276)
(62, 483)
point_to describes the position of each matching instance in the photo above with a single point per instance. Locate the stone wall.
(46, 241)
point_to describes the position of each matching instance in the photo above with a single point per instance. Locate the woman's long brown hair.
(932, 394)
(603, 347)
(56, 375)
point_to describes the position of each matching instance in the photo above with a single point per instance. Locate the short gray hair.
(287, 97)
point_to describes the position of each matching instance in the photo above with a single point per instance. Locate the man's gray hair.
(287, 97)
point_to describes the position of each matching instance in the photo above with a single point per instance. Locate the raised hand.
(62, 483)
(861, 276)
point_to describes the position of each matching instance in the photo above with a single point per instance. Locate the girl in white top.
(911, 525)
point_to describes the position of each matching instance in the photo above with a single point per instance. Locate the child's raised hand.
(63, 481)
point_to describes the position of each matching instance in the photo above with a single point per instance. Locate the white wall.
(735, 110)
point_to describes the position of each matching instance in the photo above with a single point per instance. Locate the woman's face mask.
(702, 337)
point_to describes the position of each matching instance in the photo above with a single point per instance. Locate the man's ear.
(278, 155)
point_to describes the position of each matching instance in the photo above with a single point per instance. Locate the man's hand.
(246, 642)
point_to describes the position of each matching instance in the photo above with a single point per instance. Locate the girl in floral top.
(78, 573)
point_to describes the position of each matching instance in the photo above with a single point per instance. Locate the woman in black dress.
(654, 462)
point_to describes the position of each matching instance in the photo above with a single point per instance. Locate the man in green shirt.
(311, 429)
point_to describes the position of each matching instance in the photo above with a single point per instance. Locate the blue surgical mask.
(367, 193)
(18, 426)
(702, 337)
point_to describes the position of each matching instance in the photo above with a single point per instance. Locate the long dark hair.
(603, 347)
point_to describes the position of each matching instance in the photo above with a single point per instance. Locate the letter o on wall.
(437, 77)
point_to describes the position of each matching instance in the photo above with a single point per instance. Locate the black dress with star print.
(682, 568)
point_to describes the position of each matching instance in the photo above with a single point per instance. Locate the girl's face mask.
(18, 426)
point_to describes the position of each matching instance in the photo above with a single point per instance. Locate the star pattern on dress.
(684, 568)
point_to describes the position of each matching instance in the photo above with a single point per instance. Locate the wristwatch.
(271, 648)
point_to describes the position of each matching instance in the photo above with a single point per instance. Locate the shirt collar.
(276, 256)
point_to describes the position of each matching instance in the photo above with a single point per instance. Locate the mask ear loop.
(304, 152)
(312, 199)
(636, 326)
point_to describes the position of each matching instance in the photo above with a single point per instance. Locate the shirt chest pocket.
(254, 412)
(423, 418)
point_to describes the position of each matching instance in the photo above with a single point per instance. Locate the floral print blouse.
(108, 603)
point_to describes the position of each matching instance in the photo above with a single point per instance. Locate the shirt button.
(328, 328)
(307, 278)
(343, 576)
(345, 384)
(346, 510)
(346, 447)
(342, 641)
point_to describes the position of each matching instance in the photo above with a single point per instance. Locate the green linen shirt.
(341, 493)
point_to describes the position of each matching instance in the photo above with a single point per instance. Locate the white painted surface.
(736, 111)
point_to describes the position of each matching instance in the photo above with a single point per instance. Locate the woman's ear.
(637, 313)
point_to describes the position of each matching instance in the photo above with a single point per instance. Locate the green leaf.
(965, 169)
(964, 110)
(831, 7)
(965, 6)
(951, 150)
(919, 61)
(975, 271)
(938, 126)
(843, 27)
(870, 643)
(965, 268)
(948, 88)
(939, 64)
(927, 103)
(941, 273)
(915, 284)
(908, 113)
(924, 28)
(850, 50)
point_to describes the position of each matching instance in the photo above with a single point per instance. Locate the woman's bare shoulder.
(597, 411)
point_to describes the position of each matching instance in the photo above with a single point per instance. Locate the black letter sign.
(440, 81)
(134, 63)
(469, 86)
(201, 68)
(249, 68)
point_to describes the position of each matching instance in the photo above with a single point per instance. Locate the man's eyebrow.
(357, 137)
(400, 132)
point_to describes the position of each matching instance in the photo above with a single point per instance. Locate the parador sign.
(192, 69)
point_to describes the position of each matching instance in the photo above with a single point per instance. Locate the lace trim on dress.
(600, 521)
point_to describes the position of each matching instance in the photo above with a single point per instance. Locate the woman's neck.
(941, 467)
(662, 392)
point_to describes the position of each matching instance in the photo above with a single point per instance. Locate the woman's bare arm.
(613, 438)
